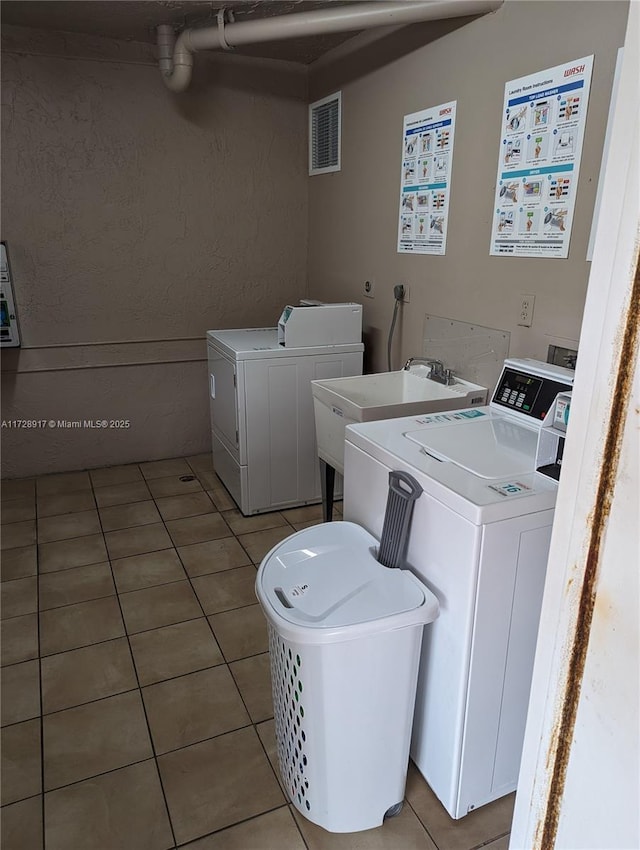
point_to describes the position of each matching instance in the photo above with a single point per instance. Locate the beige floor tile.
(203, 461)
(63, 482)
(240, 524)
(501, 843)
(208, 479)
(213, 556)
(17, 510)
(19, 597)
(111, 475)
(66, 526)
(136, 541)
(174, 651)
(226, 590)
(82, 675)
(267, 734)
(82, 742)
(173, 486)
(118, 517)
(159, 606)
(20, 692)
(197, 529)
(478, 827)
(260, 542)
(189, 504)
(18, 488)
(21, 774)
(193, 708)
(21, 825)
(253, 678)
(19, 639)
(403, 832)
(221, 498)
(165, 468)
(79, 625)
(217, 783)
(80, 584)
(275, 830)
(122, 494)
(299, 526)
(19, 563)
(241, 633)
(65, 554)
(304, 514)
(70, 503)
(122, 810)
(18, 534)
(147, 570)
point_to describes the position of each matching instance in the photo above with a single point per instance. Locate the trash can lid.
(327, 578)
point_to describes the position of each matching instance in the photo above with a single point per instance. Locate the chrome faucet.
(438, 371)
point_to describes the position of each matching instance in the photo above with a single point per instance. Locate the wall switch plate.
(369, 288)
(526, 311)
(406, 298)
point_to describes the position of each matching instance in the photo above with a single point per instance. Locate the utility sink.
(339, 402)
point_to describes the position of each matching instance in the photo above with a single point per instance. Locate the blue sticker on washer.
(450, 417)
(510, 488)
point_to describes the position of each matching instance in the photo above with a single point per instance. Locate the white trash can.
(344, 635)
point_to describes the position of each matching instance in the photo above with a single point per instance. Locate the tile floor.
(136, 698)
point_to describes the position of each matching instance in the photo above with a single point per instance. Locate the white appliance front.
(482, 550)
(262, 421)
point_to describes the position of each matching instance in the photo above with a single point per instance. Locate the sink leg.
(327, 480)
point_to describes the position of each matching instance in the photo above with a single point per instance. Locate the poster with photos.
(425, 179)
(543, 121)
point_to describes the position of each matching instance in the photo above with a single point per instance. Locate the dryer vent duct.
(176, 56)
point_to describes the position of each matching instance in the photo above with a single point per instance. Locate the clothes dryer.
(262, 420)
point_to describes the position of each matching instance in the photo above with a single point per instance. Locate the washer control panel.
(527, 393)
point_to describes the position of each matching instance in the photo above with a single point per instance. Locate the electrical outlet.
(407, 294)
(526, 311)
(369, 288)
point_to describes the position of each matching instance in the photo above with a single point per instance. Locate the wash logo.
(577, 69)
(299, 589)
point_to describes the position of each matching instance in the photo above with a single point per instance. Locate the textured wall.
(470, 64)
(131, 215)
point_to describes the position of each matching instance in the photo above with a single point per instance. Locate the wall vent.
(325, 127)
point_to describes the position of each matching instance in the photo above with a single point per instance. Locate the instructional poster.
(425, 180)
(543, 125)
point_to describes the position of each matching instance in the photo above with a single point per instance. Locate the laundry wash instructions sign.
(425, 179)
(543, 121)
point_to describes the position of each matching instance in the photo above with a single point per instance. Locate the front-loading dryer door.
(223, 399)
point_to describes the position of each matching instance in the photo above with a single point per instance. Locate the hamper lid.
(327, 577)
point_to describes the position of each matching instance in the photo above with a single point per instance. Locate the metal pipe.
(175, 58)
(176, 69)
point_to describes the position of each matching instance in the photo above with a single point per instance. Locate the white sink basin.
(339, 402)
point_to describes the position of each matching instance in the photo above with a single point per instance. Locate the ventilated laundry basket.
(344, 636)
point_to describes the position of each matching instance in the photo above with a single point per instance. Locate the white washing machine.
(479, 540)
(262, 420)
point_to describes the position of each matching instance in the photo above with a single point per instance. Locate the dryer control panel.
(9, 333)
(529, 391)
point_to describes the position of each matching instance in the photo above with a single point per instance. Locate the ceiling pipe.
(176, 55)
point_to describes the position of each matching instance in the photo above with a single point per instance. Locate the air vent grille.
(325, 124)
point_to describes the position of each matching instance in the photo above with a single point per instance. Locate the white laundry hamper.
(345, 634)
